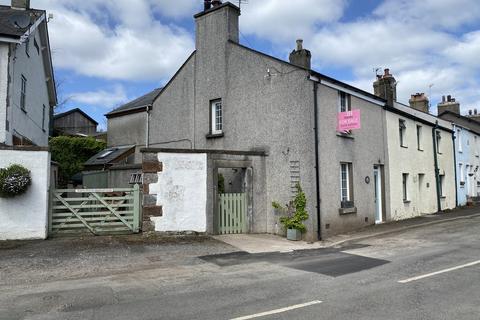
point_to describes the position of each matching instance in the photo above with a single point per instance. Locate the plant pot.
(294, 235)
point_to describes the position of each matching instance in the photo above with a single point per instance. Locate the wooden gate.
(99, 211)
(232, 213)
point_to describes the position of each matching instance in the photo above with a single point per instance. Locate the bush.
(72, 152)
(14, 181)
(295, 210)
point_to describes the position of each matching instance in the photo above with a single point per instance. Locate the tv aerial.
(240, 2)
(20, 21)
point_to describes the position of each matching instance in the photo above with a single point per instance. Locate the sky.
(108, 52)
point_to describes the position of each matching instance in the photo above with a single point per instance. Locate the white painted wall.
(412, 161)
(26, 216)
(182, 192)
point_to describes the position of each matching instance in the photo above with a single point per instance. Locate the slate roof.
(61, 115)
(108, 155)
(139, 103)
(8, 16)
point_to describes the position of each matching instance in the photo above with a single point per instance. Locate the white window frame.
(23, 93)
(346, 186)
(216, 111)
(459, 137)
(462, 173)
(438, 139)
(405, 186)
(343, 96)
(442, 185)
(402, 129)
(419, 137)
(475, 145)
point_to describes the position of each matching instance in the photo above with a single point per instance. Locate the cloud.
(101, 98)
(281, 21)
(116, 40)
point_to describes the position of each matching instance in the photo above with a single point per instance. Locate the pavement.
(263, 243)
(424, 272)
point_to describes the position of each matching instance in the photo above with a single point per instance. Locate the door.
(377, 182)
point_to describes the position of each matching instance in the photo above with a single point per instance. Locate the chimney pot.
(449, 98)
(387, 72)
(443, 98)
(20, 4)
(299, 44)
(470, 112)
(207, 4)
(216, 3)
(475, 111)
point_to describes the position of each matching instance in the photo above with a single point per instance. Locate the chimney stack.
(385, 87)
(207, 4)
(419, 101)
(21, 4)
(449, 105)
(301, 57)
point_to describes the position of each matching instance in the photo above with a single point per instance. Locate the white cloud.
(281, 21)
(116, 39)
(101, 98)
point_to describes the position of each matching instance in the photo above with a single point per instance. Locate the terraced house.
(260, 125)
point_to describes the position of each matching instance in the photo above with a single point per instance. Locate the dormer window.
(216, 113)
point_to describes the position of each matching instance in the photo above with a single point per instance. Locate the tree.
(72, 152)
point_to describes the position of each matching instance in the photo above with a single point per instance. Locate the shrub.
(296, 212)
(14, 181)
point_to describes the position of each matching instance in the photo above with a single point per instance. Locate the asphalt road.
(425, 273)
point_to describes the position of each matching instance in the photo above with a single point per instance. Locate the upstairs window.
(402, 128)
(23, 93)
(459, 138)
(419, 137)
(43, 117)
(438, 138)
(217, 117)
(344, 102)
(475, 146)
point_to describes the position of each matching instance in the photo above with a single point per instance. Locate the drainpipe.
(317, 164)
(455, 165)
(147, 129)
(437, 170)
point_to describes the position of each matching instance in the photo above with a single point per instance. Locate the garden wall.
(26, 216)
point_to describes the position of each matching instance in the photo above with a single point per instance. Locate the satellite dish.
(20, 21)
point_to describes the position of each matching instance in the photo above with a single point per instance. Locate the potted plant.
(296, 214)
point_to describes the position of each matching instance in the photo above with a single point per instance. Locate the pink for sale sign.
(349, 120)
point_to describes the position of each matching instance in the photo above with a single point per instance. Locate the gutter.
(437, 170)
(317, 164)
(455, 166)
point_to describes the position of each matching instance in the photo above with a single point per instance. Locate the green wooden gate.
(99, 211)
(232, 213)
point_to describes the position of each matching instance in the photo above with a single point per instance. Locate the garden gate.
(99, 211)
(232, 213)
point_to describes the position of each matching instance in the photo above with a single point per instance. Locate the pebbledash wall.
(26, 216)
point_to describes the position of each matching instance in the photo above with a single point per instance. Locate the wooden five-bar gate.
(232, 212)
(99, 211)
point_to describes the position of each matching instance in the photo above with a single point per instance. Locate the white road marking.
(439, 272)
(267, 313)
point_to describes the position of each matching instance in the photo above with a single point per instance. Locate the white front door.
(377, 182)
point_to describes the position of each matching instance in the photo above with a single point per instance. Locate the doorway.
(378, 185)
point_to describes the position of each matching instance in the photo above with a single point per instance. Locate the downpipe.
(437, 170)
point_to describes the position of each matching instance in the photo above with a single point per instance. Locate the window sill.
(345, 211)
(443, 197)
(345, 135)
(420, 150)
(404, 147)
(406, 201)
(214, 135)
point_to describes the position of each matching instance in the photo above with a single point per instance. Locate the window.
(402, 127)
(106, 153)
(344, 102)
(405, 186)
(23, 93)
(43, 117)
(459, 138)
(438, 138)
(217, 117)
(475, 146)
(461, 173)
(35, 44)
(441, 184)
(346, 185)
(27, 47)
(419, 137)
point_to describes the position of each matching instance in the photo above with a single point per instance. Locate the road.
(425, 273)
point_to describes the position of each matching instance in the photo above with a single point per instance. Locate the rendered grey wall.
(128, 130)
(29, 123)
(365, 149)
